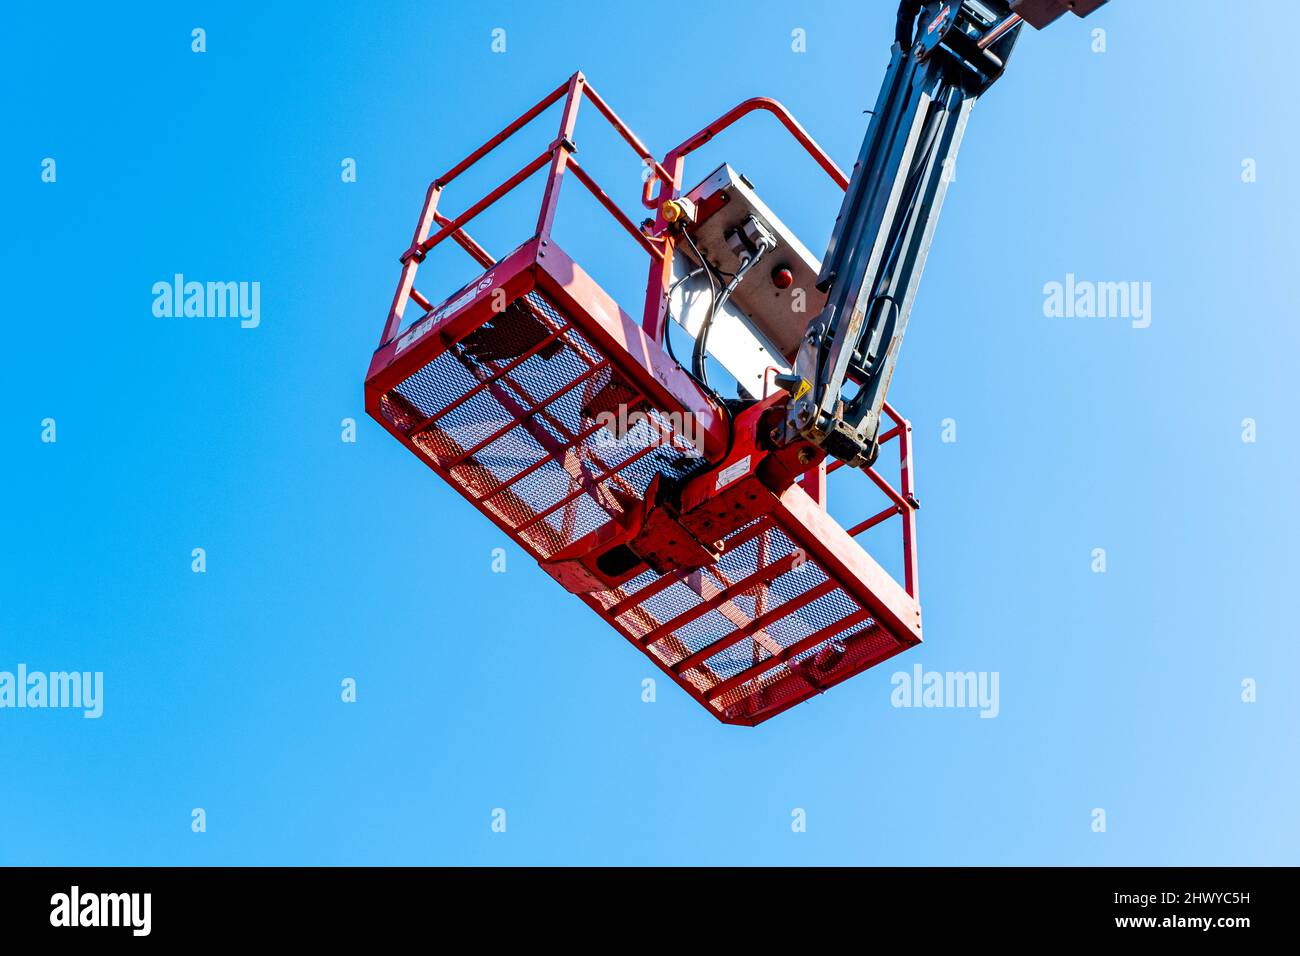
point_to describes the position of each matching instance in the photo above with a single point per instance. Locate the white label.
(468, 296)
(733, 471)
(414, 334)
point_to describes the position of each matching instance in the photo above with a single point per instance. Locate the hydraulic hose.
(701, 341)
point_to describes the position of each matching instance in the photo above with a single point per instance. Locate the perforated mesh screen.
(523, 416)
(537, 427)
(751, 649)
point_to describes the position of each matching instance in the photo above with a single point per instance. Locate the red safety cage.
(505, 388)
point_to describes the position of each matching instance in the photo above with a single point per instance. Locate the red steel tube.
(466, 242)
(455, 225)
(502, 136)
(612, 208)
(822, 158)
(668, 580)
(487, 382)
(784, 609)
(874, 520)
(798, 647)
(561, 150)
(623, 130)
(760, 623)
(764, 574)
(428, 213)
(526, 412)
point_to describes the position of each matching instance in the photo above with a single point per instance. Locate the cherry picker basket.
(516, 390)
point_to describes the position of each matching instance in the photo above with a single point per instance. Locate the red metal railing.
(657, 243)
(671, 175)
(559, 156)
(902, 501)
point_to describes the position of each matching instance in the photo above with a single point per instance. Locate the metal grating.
(518, 415)
(510, 415)
(515, 415)
(759, 630)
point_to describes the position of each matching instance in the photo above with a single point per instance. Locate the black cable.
(699, 370)
(668, 336)
(668, 326)
(702, 380)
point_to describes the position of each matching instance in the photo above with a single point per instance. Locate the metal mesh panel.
(785, 636)
(810, 671)
(535, 425)
(525, 415)
(787, 630)
(538, 428)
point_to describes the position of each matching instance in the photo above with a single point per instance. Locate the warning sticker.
(416, 331)
(465, 298)
(733, 471)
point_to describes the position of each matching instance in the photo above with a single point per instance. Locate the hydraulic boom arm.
(946, 54)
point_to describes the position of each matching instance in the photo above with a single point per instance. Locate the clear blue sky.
(477, 690)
